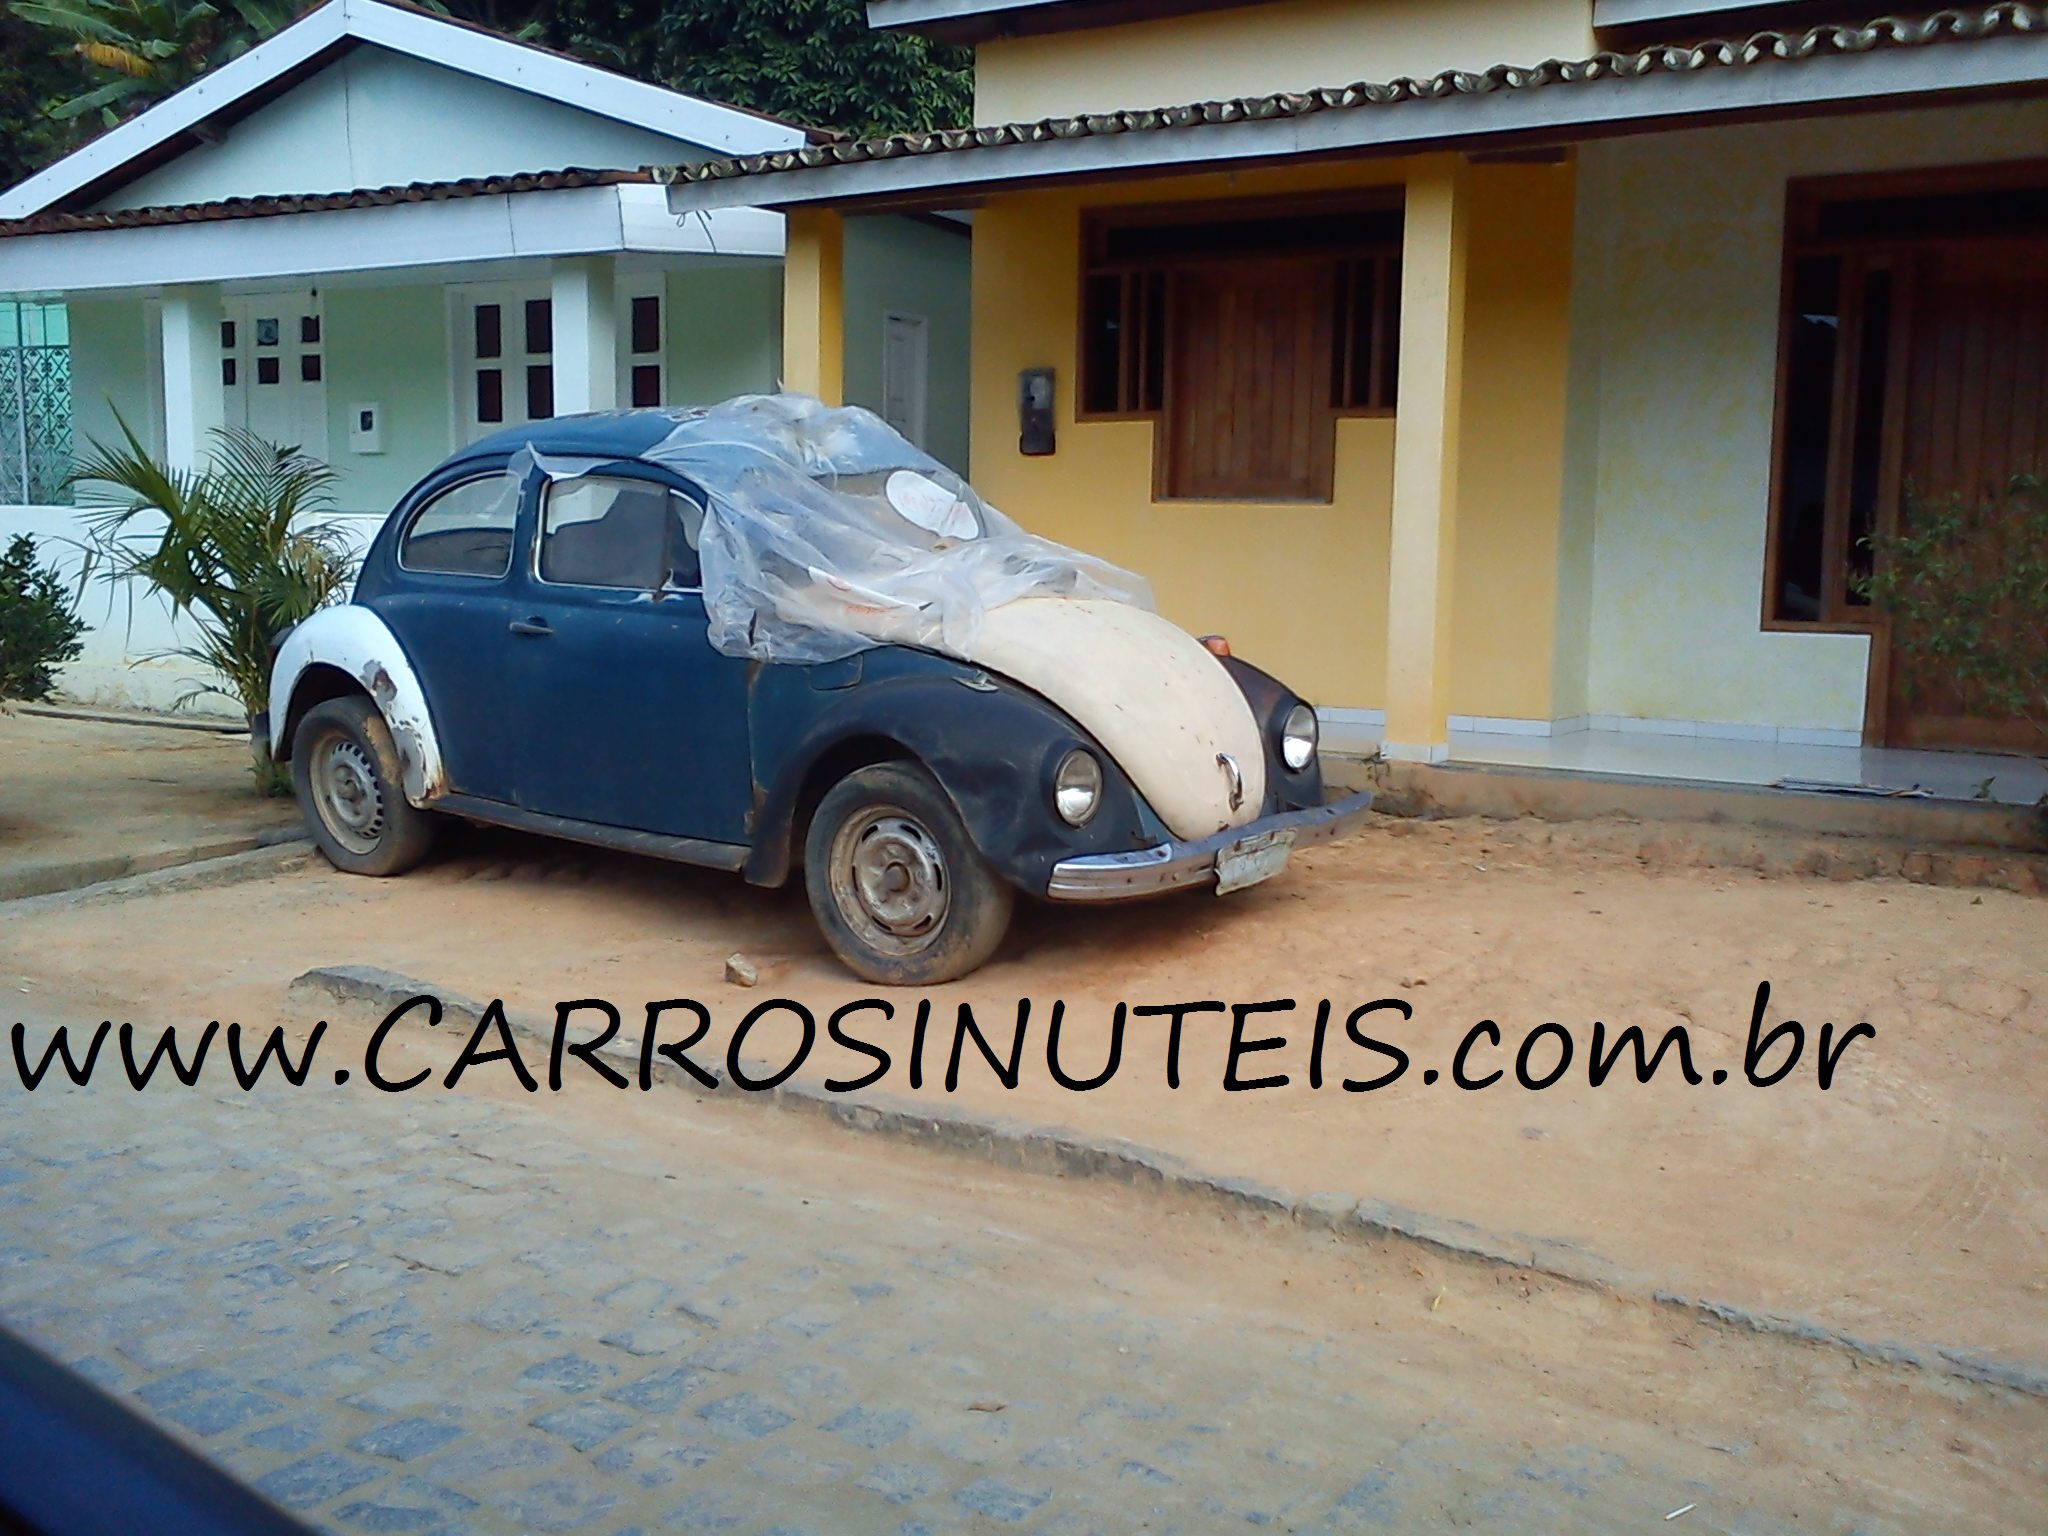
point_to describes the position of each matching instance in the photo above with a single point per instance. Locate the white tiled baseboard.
(1503, 725)
(1725, 730)
(1342, 727)
(1351, 730)
(1400, 752)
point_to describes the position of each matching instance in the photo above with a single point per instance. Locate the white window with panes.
(504, 350)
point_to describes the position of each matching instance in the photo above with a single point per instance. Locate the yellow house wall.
(1299, 588)
(1292, 45)
(1302, 588)
(1672, 405)
(1518, 277)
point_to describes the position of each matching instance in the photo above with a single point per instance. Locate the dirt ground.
(87, 800)
(1905, 1202)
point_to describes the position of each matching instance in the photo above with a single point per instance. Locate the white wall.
(1674, 377)
(724, 332)
(377, 119)
(907, 266)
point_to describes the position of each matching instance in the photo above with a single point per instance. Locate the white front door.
(906, 362)
(273, 368)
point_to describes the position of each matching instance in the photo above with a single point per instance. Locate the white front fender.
(357, 642)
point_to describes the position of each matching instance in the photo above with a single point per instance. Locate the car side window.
(465, 531)
(628, 534)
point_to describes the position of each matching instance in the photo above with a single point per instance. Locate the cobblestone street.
(443, 1313)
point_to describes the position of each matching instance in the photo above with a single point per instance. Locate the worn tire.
(902, 894)
(346, 776)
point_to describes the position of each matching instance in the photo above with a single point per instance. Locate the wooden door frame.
(1877, 680)
(1804, 197)
(1886, 721)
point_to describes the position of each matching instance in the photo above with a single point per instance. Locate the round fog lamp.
(1298, 737)
(1077, 787)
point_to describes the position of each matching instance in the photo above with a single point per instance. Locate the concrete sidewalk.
(86, 799)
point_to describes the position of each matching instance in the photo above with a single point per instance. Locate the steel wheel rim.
(346, 792)
(890, 882)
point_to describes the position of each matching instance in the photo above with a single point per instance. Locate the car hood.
(1160, 705)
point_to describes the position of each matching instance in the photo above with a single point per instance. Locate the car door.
(631, 719)
(450, 604)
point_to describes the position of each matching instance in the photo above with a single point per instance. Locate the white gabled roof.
(340, 24)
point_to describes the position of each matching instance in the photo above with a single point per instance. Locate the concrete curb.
(82, 873)
(1055, 1150)
(257, 859)
(217, 725)
(48, 879)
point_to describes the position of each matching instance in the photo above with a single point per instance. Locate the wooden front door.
(1248, 383)
(1975, 413)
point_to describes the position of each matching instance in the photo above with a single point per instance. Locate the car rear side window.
(465, 531)
(628, 534)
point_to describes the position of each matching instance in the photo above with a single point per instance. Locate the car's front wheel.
(901, 892)
(346, 775)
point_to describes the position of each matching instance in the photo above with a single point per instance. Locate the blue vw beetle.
(772, 636)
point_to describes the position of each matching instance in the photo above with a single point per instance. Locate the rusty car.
(783, 640)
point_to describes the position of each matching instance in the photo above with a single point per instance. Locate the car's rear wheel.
(903, 896)
(346, 775)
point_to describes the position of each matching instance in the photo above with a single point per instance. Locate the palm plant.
(139, 51)
(245, 547)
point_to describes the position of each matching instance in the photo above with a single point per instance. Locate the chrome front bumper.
(1170, 866)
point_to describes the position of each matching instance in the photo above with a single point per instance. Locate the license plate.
(1251, 860)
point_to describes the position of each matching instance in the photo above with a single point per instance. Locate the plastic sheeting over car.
(828, 532)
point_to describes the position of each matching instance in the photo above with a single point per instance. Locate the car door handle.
(531, 627)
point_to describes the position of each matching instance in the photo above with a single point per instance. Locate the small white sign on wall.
(366, 427)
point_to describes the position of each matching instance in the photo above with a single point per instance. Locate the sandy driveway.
(84, 800)
(1905, 1202)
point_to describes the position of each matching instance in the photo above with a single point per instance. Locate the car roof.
(596, 434)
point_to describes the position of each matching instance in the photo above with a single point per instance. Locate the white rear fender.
(356, 642)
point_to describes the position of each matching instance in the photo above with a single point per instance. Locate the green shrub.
(39, 623)
(1965, 588)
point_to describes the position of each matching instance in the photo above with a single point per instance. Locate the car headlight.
(1077, 787)
(1298, 737)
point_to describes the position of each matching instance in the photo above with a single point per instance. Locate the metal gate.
(35, 403)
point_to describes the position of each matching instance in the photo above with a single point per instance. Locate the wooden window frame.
(1805, 198)
(1383, 364)
(1340, 400)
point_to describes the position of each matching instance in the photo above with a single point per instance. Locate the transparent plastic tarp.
(828, 532)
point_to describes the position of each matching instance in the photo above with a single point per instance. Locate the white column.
(193, 403)
(586, 336)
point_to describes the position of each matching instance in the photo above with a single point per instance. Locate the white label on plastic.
(931, 506)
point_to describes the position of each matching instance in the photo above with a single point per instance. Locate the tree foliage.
(130, 53)
(33, 79)
(67, 66)
(39, 623)
(812, 61)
